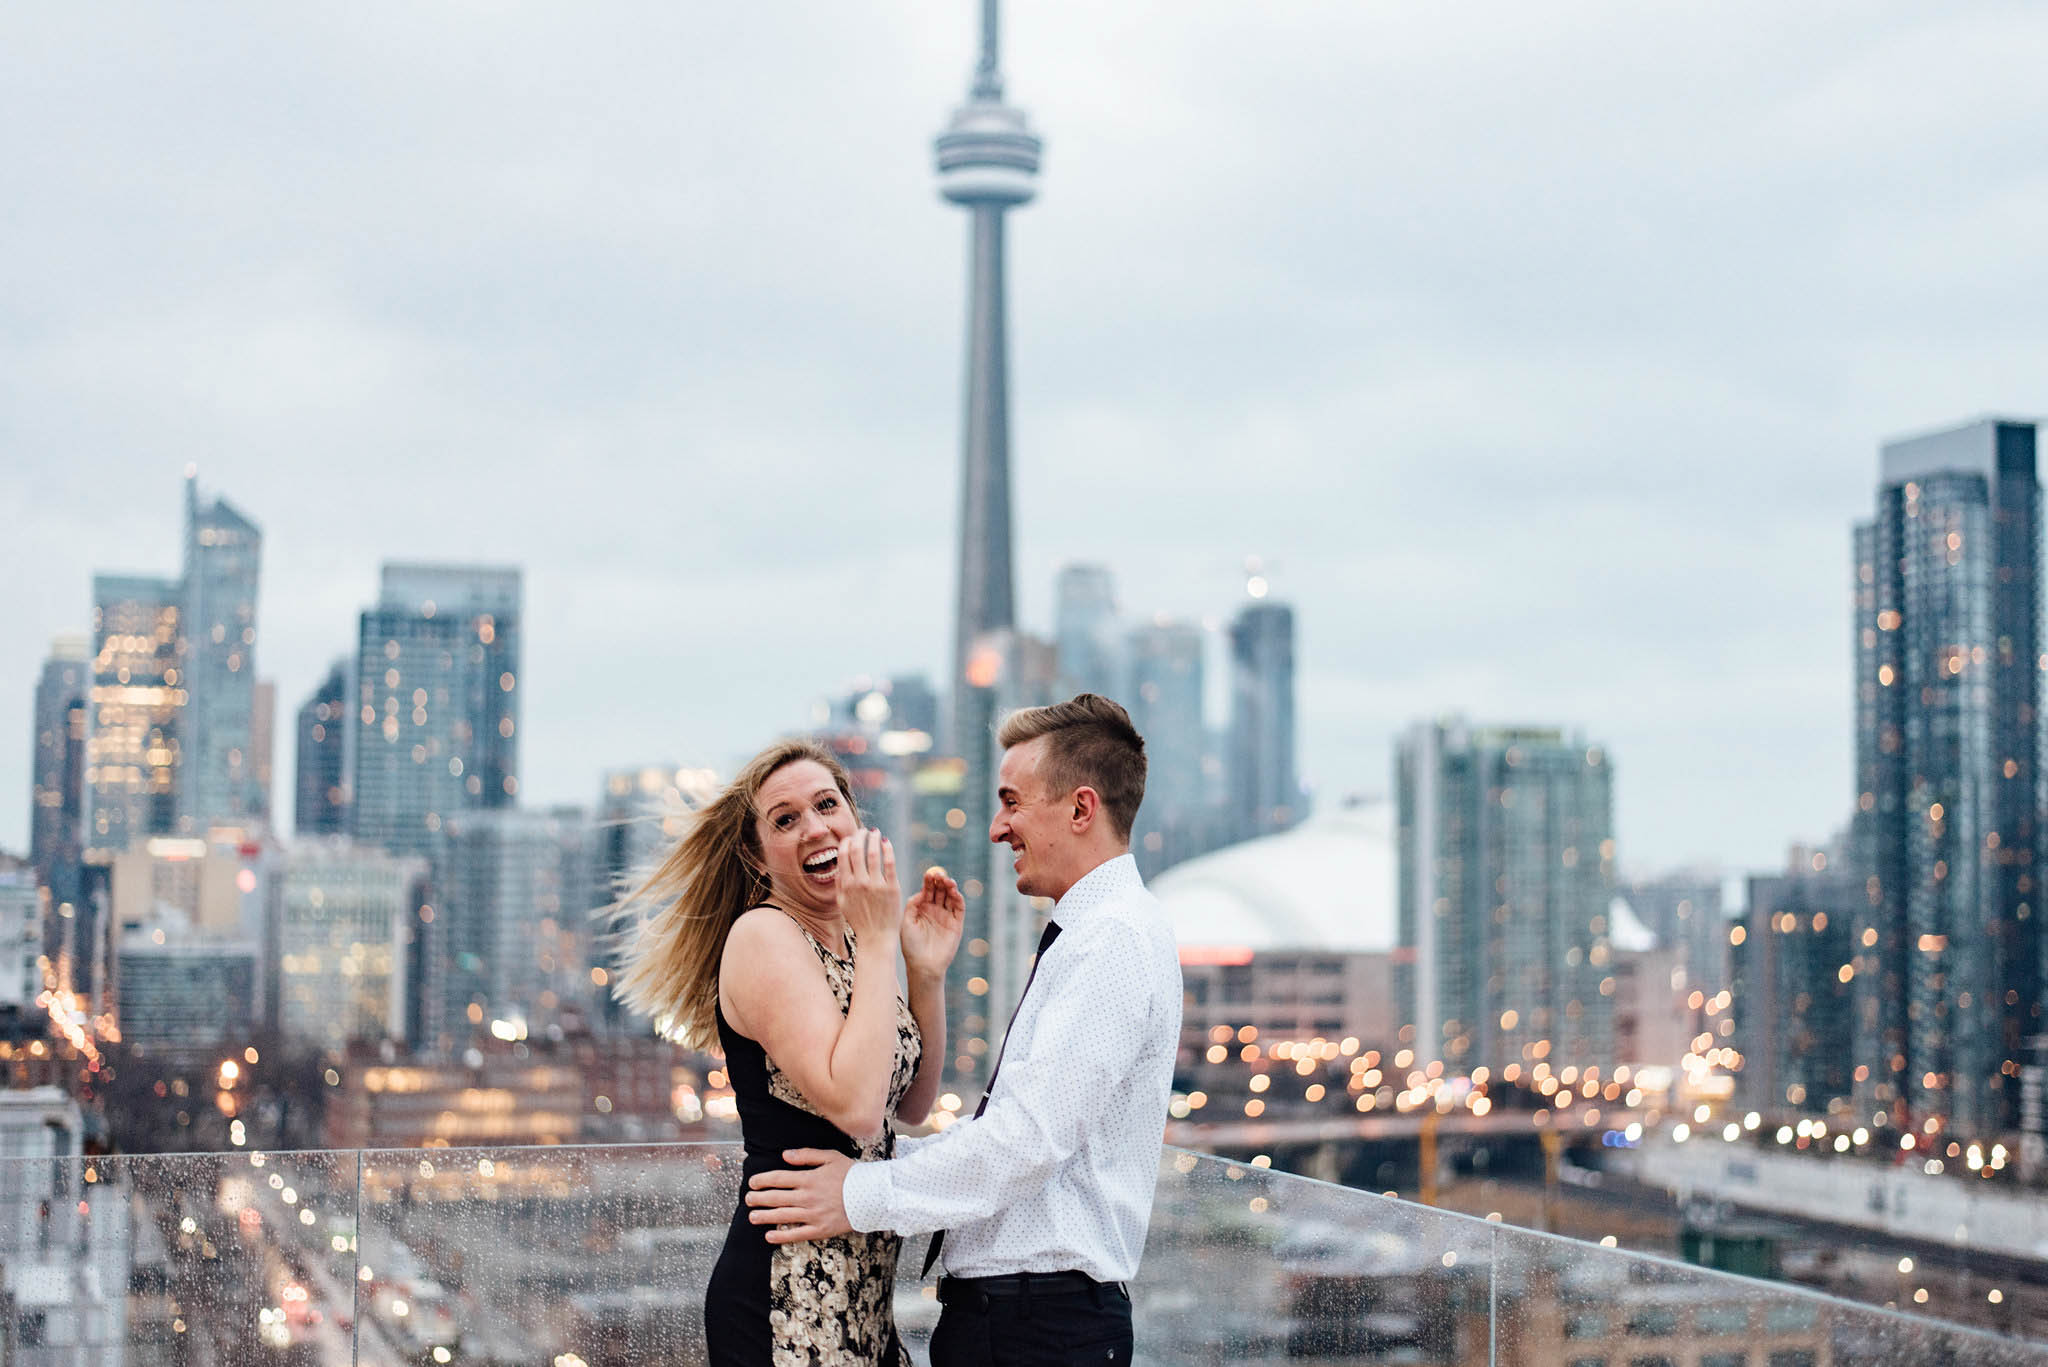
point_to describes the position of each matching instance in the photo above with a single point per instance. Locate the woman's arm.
(775, 993)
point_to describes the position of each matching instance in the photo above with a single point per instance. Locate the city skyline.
(1426, 568)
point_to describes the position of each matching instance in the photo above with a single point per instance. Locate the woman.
(777, 942)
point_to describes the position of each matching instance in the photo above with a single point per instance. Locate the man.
(1043, 1197)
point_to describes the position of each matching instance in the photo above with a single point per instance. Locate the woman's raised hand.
(931, 924)
(868, 897)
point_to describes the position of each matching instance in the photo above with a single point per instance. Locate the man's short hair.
(1089, 743)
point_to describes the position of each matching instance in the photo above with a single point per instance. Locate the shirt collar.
(1105, 882)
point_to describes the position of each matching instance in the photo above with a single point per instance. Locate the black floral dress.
(821, 1304)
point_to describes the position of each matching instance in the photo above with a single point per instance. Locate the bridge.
(1395, 1148)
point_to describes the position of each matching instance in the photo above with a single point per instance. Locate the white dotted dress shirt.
(1057, 1174)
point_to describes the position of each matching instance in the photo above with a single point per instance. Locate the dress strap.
(825, 956)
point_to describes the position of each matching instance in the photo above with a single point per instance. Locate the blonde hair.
(669, 961)
(1089, 743)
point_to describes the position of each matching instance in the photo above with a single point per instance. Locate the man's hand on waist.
(803, 1201)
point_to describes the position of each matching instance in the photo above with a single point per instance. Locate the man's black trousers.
(1079, 1324)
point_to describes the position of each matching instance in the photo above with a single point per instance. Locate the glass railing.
(597, 1257)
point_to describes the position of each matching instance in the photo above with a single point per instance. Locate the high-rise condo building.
(134, 749)
(1793, 987)
(218, 782)
(321, 774)
(1165, 703)
(344, 916)
(1087, 631)
(987, 160)
(1264, 794)
(184, 936)
(170, 746)
(1948, 739)
(57, 795)
(507, 948)
(1683, 910)
(1506, 873)
(22, 903)
(184, 991)
(435, 711)
(263, 746)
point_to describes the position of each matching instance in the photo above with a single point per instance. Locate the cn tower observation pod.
(988, 155)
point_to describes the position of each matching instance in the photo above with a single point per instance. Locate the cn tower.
(988, 164)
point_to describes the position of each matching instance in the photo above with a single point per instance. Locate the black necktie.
(1052, 932)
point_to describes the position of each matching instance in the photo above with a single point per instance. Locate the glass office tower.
(1947, 652)
(436, 708)
(1506, 858)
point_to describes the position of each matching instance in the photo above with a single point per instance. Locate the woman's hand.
(868, 896)
(931, 925)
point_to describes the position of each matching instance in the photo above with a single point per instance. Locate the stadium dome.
(1327, 886)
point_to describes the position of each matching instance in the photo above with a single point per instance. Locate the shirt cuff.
(865, 1194)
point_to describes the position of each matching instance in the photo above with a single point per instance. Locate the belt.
(971, 1290)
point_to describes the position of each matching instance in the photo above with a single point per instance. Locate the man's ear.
(1087, 807)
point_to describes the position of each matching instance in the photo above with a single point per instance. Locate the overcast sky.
(1544, 349)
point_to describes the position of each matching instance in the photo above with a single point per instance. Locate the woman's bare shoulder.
(763, 932)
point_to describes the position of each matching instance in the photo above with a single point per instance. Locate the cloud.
(1544, 354)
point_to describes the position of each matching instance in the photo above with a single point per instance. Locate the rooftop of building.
(1984, 445)
(1327, 886)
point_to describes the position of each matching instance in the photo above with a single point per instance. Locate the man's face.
(1033, 822)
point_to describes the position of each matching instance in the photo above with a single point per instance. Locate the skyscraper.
(1264, 794)
(320, 782)
(344, 915)
(987, 162)
(183, 991)
(21, 941)
(1165, 703)
(435, 716)
(1683, 910)
(1792, 1006)
(1506, 873)
(171, 726)
(262, 747)
(1948, 737)
(218, 782)
(1086, 630)
(56, 823)
(136, 712)
(507, 942)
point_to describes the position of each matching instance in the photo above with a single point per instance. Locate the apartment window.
(1721, 1319)
(1654, 1323)
(1792, 1357)
(1585, 1326)
(1724, 1360)
(1788, 1315)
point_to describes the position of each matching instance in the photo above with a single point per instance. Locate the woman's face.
(800, 816)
